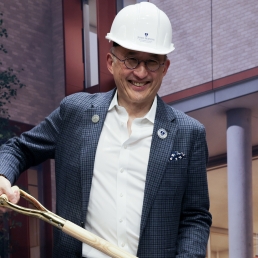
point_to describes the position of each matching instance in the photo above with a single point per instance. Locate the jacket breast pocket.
(175, 171)
(174, 179)
(182, 163)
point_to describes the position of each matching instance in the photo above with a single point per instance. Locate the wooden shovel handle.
(94, 241)
(66, 226)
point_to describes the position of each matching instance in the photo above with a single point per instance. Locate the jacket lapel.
(159, 155)
(90, 136)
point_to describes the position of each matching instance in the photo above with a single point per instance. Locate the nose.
(141, 71)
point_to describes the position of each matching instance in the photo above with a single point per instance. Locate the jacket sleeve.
(31, 148)
(195, 219)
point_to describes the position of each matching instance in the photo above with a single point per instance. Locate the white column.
(239, 159)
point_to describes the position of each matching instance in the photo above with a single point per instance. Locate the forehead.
(137, 54)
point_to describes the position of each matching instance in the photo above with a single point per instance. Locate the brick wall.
(191, 35)
(213, 39)
(58, 51)
(34, 43)
(235, 33)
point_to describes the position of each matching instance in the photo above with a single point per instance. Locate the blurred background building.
(213, 77)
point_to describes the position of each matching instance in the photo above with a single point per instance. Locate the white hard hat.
(142, 27)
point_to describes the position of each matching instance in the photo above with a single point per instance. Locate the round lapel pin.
(95, 119)
(162, 133)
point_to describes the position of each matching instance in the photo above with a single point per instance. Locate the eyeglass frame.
(139, 61)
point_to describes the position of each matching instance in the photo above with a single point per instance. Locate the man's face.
(140, 85)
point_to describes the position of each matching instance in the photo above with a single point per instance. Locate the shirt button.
(123, 244)
(122, 170)
(125, 146)
(120, 220)
(121, 194)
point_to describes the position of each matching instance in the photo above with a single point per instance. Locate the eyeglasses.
(132, 63)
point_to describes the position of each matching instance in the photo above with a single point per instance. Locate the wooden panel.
(106, 12)
(47, 196)
(74, 68)
(73, 45)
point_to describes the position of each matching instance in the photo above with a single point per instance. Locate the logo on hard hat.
(146, 39)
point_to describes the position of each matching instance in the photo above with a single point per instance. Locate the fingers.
(16, 194)
(12, 193)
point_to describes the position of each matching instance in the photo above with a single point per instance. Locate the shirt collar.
(114, 102)
(150, 115)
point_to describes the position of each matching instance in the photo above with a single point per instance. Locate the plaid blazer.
(175, 218)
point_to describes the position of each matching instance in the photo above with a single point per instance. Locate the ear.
(110, 62)
(166, 66)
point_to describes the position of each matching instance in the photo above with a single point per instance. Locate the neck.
(136, 110)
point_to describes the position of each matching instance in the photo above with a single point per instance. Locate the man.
(127, 164)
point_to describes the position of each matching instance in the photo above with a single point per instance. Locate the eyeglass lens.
(132, 63)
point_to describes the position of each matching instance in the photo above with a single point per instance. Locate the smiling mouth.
(138, 84)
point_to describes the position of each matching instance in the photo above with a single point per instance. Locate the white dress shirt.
(116, 197)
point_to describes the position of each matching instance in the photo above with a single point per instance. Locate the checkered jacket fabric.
(175, 218)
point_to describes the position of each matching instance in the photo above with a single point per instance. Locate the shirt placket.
(122, 182)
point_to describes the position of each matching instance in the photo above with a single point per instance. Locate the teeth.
(138, 84)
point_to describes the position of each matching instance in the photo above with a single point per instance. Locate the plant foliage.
(9, 84)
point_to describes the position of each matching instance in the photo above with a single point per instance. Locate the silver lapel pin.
(95, 119)
(162, 133)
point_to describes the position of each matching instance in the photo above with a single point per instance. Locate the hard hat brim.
(145, 49)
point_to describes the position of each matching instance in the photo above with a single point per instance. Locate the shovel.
(65, 225)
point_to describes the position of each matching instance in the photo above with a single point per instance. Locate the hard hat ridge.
(142, 27)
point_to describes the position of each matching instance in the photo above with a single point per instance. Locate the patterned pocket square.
(175, 155)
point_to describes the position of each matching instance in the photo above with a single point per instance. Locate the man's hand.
(12, 193)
